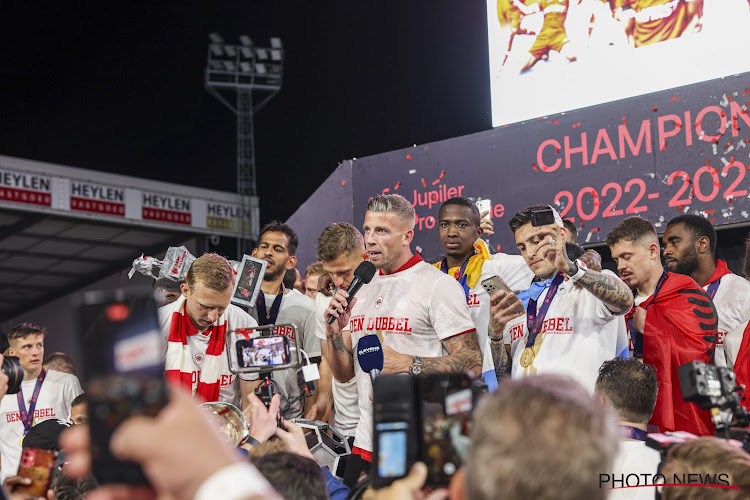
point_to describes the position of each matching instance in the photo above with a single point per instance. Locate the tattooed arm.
(464, 355)
(500, 358)
(612, 291)
(338, 341)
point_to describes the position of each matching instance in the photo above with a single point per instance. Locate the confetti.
(499, 248)
(398, 184)
(713, 220)
(535, 169)
(654, 108)
(576, 125)
(718, 184)
(413, 171)
(557, 150)
(677, 124)
(555, 122)
(343, 183)
(709, 211)
(679, 207)
(625, 120)
(747, 91)
(424, 184)
(595, 230)
(408, 157)
(418, 249)
(723, 114)
(664, 146)
(436, 181)
(730, 200)
(442, 174)
(675, 98)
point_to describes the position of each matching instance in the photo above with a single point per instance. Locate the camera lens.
(12, 368)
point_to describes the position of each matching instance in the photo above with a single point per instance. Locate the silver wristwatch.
(416, 367)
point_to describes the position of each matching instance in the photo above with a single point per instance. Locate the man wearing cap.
(573, 320)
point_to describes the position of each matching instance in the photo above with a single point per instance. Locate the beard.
(273, 274)
(687, 264)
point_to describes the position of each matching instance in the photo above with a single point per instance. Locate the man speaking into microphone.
(418, 314)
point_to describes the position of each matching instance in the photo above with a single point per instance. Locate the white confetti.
(413, 171)
(724, 101)
(730, 148)
(725, 162)
(687, 209)
(716, 151)
(744, 213)
(588, 237)
(661, 218)
(657, 224)
(419, 249)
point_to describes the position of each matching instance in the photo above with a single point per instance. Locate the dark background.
(118, 87)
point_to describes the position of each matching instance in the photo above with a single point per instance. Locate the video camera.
(259, 350)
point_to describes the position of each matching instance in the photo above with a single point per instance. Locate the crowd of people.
(580, 363)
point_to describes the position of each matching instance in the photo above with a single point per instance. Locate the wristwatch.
(416, 367)
(577, 270)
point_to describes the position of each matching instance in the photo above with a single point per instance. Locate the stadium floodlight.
(244, 71)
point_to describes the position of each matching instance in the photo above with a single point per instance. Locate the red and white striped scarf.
(179, 363)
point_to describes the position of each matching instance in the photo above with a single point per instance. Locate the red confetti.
(654, 108)
(555, 122)
(424, 184)
(408, 157)
(713, 220)
(731, 159)
(730, 200)
(582, 224)
(723, 114)
(680, 207)
(576, 125)
(692, 192)
(535, 169)
(677, 124)
(698, 123)
(730, 98)
(747, 91)
(557, 150)
(675, 98)
(499, 248)
(594, 230)
(625, 120)
(666, 143)
(436, 181)
(728, 144)
(709, 212)
(715, 140)
(708, 163)
(442, 173)
(398, 184)
(343, 183)
(597, 202)
(718, 184)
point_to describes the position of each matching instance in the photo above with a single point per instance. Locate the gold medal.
(527, 357)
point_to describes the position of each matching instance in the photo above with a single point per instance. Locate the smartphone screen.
(392, 444)
(447, 406)
(123, 372)
(263, 351)
(38, 465)
(542, 217)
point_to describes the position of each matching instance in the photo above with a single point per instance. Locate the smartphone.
(396, 427)
(123, 372)
(262, 349)
(495, 284)
(447, 406)
(38, 465)
(543, 217)
(427, 418)
(484, 205)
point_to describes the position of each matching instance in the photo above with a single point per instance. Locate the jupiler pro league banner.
(685, 150)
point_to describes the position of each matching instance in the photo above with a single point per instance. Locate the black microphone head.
(365, 271)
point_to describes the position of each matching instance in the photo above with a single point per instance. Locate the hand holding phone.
(495, 284)
(38, 465)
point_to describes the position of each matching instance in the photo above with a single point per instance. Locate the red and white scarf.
(179, 362)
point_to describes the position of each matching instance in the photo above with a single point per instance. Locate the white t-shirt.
(633, 457)
(229, 384)
(298, 309)
(345, 395)
(578, 335)
(412, 310)
(512, 269)
(58, 391)
(732, 301)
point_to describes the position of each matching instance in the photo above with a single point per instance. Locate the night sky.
(118, 87)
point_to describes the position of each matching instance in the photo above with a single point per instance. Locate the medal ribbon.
(28, 417)
(712, 288)
(268, 318)
(634, 432)
(663, 278)
(461, 278)
(535, 321)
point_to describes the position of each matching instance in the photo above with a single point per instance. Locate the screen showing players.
(550, 56)
(270, 351)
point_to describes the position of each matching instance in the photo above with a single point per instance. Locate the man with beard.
(277, 304)
(675, 316)
(689, 249)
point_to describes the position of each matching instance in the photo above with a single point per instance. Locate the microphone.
(362, 276)
(370, 355)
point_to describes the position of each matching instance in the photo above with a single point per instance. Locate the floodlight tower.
(238, 75)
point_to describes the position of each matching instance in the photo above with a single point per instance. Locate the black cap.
(45, 434)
